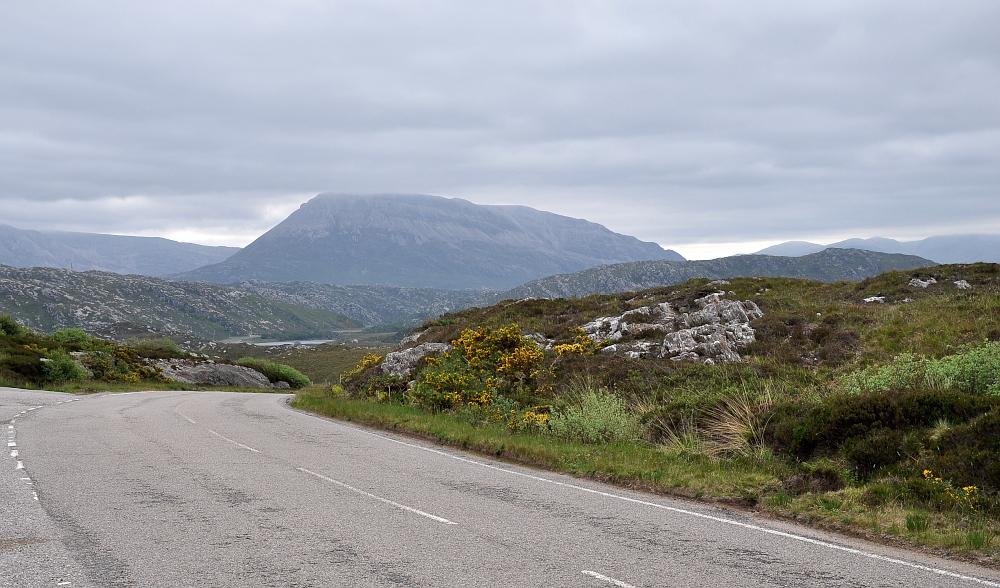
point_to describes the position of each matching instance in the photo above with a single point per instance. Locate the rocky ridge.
(829, 265)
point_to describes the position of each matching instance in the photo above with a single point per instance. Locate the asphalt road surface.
(222, 489)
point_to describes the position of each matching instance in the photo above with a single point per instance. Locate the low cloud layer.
(713, 122)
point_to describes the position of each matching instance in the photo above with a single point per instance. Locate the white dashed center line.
(236, 443)
(379, 498)
(604, 578)
(186, 417)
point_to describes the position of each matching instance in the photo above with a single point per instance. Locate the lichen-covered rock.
(918, 283)
(214, 374)
(402, 363)
(963, 285)
(714, 332)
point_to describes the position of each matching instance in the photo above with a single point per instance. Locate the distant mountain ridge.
(941, 249)
(149, 256)
(829, 265)
(424, 241)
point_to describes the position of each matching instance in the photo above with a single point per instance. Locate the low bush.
(802, 430)
(967, 453)
(60, 368)
(159, 348)
(975, 370)
(593, 415)
(276, 372)
(71, 335)
(10, 327)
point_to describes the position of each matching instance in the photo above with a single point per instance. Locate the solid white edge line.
(726, 521)
(379, 498)
(238, 444)
(618, 583)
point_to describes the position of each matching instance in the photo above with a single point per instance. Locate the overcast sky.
(708, 127)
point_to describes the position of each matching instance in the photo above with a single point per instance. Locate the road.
(224, 489)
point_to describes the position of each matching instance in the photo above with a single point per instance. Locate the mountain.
(942, 249)
(424, 241)
(829, 265)
(150, 256)
(47, 299)
(792, 249)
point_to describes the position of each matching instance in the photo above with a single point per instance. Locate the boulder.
(214, 374)
(402, 363)
(918, 283)
(963, 285)
(713, 332)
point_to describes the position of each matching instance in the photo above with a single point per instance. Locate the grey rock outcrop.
(402, 363)
(714, 332)
(918, 283)
(963, 285)
(214, 374)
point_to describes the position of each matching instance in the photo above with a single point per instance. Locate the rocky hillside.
(47, 299)
(149, 256)
(371, 305)
(424, 241)
(830, 265)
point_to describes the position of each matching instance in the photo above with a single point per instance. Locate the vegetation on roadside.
(29, 359)
(276, 372)
(880, 416)
(71, 360)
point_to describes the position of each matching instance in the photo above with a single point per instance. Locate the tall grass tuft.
(735, 426)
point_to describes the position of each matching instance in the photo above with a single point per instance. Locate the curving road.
(223, 489)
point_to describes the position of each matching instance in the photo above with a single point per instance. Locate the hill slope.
(149, 256)
(424, 241)
(829, 265)
(47, 299)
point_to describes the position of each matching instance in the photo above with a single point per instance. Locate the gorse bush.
(484, 363)
(276, 372)
(594, 415)
(975, 370)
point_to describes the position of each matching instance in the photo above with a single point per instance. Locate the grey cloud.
(672, 121)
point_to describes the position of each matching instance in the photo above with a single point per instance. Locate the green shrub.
(967, 453)
(276, 372)
(61, 368)
(10, 327)
(975, 370)
(159, 348)
(596, 416)
(804, 430)
(71, 335)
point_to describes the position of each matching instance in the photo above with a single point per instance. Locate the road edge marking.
(786, 535)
